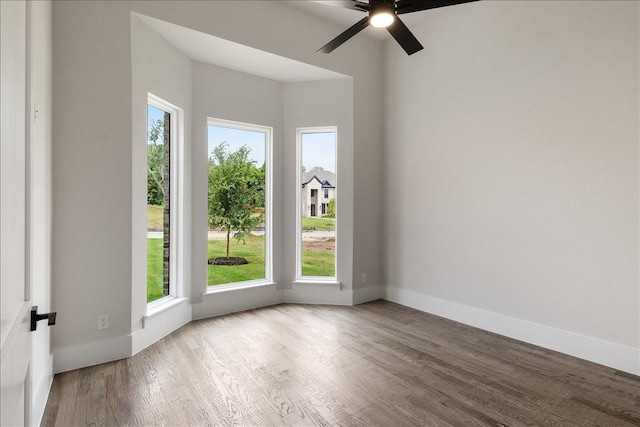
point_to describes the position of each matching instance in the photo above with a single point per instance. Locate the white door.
(15, 306)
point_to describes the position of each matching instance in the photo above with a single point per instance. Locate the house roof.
(326, 178)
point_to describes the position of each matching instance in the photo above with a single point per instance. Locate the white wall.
(319, 104)
(230, 95)
(512, 174)
(93, 157)
(160, 69)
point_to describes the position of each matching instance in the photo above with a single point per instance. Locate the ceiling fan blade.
(407, 6)
(355, 29)
(348, 4)
(404, 37)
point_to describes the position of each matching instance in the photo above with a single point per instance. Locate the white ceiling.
(224, 53)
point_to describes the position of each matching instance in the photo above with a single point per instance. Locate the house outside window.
(312, 183)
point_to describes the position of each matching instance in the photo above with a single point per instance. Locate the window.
(238, 240)
(162, 215)
(316, 242)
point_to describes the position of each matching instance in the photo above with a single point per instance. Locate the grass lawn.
(321, 224)
(154, 269)
(315, 263)
(154, 217)
(252, 250)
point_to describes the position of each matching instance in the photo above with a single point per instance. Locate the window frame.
(299, 278)
(176, 201)
(268, 204)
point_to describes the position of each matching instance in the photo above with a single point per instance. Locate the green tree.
(331, 209)
(155, 157)
(236, 190)
(260, 178)
(317, 168)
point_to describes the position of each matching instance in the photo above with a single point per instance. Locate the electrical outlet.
(103, 321)
(363, 277)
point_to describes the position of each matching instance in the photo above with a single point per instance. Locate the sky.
(153, 114)
(318, 149)
(235, 139)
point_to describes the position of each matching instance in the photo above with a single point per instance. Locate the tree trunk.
(228, 233)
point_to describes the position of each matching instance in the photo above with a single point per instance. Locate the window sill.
(229, 288)
(163, 306)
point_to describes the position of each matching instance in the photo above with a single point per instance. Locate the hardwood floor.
(376, 364)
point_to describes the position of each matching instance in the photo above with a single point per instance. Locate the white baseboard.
(595, 350)
(234, 300)
(41, 393)
(160, 325)
(92, 353)
(368, 293)
(317, 293)
(227, 301)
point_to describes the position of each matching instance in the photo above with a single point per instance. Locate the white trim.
(313, 280)
(595, 350)
(91, 353)
(41, 393)
(166, 303)
(214, 289)
(298, 274)
(159, 304)
(367, 294)
(268, 203)
(234, 300)
(161, 323)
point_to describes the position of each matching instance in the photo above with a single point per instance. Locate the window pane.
(158, 206)
(237, 205)
(318, 204)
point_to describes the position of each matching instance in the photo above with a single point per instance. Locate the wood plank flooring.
(376, 364)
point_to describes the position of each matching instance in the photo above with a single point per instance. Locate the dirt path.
(328, 245)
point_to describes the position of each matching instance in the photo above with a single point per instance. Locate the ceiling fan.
(383, 14)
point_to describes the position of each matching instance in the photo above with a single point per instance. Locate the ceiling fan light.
(382, 18)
